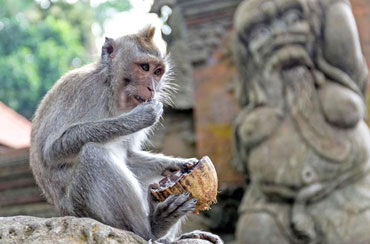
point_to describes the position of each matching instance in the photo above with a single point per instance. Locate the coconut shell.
(200, 182)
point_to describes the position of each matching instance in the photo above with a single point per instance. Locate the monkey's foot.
(197, 234)
(161, 241)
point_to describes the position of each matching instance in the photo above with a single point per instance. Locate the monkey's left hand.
(180, 165)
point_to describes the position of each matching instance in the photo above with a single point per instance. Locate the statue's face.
(274, 35)
(277, 35)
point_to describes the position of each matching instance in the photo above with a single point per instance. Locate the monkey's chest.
(118, 158)
(117, 150)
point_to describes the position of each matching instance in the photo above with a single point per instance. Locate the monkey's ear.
(107, 52)
(147, 33)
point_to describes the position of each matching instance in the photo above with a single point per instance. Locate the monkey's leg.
(71, 140)
(103, 188)
(108, 191)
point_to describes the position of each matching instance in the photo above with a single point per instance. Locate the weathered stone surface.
(184, 96)
(32, 230)
(215, 109)
(71, 230)
(175, 135)
(199, 37)
(361, 10)
(301, 135)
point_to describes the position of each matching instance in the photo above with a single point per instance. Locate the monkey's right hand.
(146, 114)
(165, 214)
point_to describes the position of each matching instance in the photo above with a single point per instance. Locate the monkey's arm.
(72, 139)
(145, 163)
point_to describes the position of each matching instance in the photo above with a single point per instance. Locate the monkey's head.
(137, 69)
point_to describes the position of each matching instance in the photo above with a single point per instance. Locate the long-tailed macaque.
(87, 136)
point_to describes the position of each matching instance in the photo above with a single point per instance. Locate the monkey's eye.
(145, 67)
(158, 71)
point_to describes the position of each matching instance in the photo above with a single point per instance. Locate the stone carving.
(301, 136)
(71, 230)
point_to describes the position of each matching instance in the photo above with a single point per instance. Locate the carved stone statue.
(301, 136)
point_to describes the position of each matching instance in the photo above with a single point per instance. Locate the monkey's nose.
(151, 90)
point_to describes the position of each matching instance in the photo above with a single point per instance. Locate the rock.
(61, 230)
(71, 230)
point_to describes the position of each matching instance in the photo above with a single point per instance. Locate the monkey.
(87, 137)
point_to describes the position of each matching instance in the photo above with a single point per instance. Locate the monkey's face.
(143, 82)
(137, 69)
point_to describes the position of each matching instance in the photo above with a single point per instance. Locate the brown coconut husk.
(199, 181)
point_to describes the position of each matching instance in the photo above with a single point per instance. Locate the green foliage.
(79, 15)
(38, 44)
(34, 56)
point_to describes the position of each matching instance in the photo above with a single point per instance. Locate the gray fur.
(86, 153)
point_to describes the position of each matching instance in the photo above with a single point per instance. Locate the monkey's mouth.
(140, 99)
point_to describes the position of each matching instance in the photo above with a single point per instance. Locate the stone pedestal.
(71, 230)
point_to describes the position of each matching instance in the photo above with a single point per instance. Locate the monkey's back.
(72, 99)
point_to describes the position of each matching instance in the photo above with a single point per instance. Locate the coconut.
(200, 182)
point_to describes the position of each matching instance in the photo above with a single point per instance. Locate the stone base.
(71, 230)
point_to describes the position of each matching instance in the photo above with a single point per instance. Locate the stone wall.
(361, 10)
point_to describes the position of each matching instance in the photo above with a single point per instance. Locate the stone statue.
(301, 136)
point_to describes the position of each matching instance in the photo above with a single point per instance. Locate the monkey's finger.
(187, 207)
(182, 209)
(166, 203)
(170, 170)
(151, 199)
(173, 212)
(193, 160)
(171, 205)
(153, 186)
(167, 173)
(190, 163)
(159, 208)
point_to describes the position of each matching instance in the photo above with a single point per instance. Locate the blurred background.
(42, 39)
